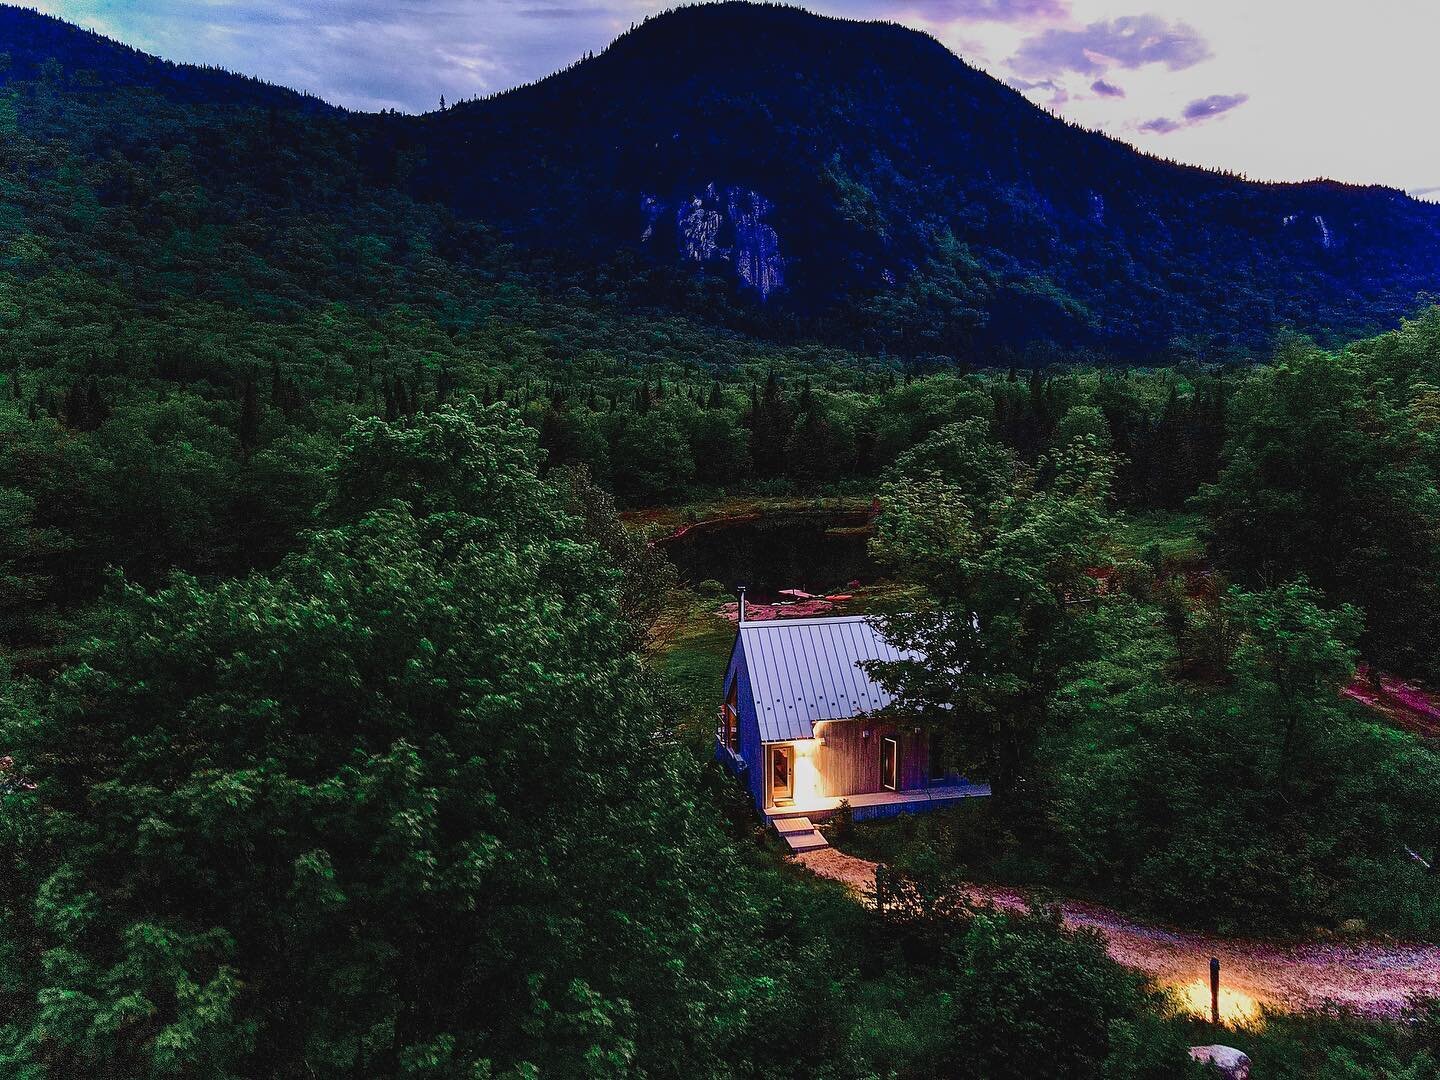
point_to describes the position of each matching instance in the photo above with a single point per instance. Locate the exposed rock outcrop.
(728, 226)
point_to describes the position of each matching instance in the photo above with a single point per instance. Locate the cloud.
(1206, 107)
(1131, 41)
(1429, 194)
(1105, 89)
(935, 12)
(1161, 125)
(1058, 94)
(1196, 112)
(366, 54)
(1004, 11)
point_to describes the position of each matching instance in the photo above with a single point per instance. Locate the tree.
(646, 575)
(771, 424)
(1001, 574)
(1265, 801)
(650, 456)
(1323, 476)
(249, 426)
(1032, 1000)
(396, 808)
(1294, 659)
(1080, 421)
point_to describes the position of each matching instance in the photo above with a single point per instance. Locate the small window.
(939, 767)
(731, 713)
(890, 763)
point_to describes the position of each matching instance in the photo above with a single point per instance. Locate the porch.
(879, 804)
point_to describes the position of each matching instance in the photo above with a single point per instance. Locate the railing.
(727, 757)
(729, 721)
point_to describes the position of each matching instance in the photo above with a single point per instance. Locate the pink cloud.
(1196, 112)
(1131, 41)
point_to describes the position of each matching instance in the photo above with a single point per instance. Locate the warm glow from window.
(808, 788)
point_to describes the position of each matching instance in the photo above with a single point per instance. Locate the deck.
(880, 804)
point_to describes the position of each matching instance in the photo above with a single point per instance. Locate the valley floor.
(1372, 978)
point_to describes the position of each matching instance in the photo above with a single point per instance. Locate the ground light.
(1237, 1008)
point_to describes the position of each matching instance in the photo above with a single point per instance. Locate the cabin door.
(890, 763)
(782, 774)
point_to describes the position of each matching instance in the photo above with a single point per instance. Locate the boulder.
(1230, 1063)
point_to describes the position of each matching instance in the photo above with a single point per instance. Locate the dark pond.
(817, 552)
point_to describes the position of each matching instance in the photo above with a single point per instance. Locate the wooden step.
(800, 834)
(806, 841)
(794, 825)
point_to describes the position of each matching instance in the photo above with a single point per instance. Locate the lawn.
(1175, 536)
(689, 649)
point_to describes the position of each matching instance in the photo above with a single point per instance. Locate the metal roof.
(806, 670)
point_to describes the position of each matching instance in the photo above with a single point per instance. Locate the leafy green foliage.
(432, 709)
(1326, 473)
(1016, 995)
(1002, 549)
(356, 768)
(1263, 802)
(1178, 746)
(1338, 1045)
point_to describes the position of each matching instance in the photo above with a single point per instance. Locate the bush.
(842, 823)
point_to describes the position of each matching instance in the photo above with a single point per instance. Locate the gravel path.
(1373, 978)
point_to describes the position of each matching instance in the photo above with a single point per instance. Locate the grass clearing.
(1175, 535)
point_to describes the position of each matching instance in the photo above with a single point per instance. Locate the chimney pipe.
(740, 590)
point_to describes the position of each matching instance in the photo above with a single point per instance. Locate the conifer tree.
(249, 426)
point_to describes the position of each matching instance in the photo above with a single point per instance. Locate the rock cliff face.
(722, 226)
(757, 247)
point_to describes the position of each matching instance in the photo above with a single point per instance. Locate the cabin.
(804, 726)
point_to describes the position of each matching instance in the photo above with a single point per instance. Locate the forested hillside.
(868, 186)
(798, 177)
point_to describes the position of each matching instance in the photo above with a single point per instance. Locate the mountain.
(784, 174)
(862, 177)
(29, 41)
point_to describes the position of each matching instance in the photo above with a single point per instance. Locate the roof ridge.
(758, 624)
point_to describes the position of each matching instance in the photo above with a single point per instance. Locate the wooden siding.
(849, 763)
(751, 751)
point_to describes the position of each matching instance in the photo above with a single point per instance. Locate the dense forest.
(332, 742)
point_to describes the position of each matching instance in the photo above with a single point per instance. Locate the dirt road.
(1371, 977)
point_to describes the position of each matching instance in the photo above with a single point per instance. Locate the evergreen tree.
(249, 425)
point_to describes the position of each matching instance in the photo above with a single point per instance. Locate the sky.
(1272, 89)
